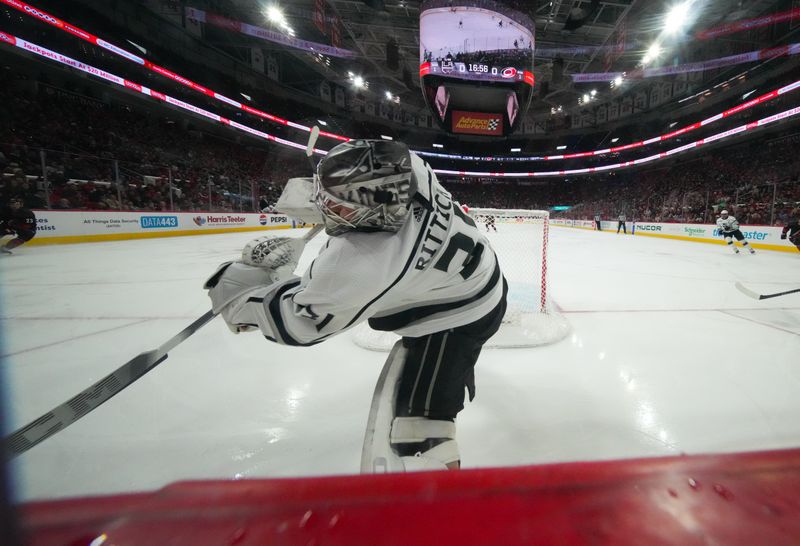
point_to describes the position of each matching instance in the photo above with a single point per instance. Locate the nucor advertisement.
(52, 224)
(754, 234)
(763, 236)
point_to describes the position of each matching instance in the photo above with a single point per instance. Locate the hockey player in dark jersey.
(403, 255)
(791, 230)
(490, 223)
(18, 221)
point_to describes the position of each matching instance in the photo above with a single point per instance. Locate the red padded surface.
(747, 499)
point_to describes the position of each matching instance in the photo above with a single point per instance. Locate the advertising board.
(57, 226)
(763, 237)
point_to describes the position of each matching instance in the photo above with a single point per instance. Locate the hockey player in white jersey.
(729, 228)
(402, 255)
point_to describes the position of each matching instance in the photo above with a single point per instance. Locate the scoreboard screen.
(476, 65)
(476, 43)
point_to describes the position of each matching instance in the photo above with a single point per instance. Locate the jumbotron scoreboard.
(476, 65)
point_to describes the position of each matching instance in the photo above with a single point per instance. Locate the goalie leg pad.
(407, 430)
(377, 455)
(399, 444)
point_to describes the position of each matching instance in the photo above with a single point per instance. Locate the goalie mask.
(365, 185)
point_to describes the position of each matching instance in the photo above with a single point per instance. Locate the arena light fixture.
(438, 146)
(593, 92)
(615, 139)
(248, 97)
(652, 54)
(677, 17)
(385, 137)
(617, 81)
(275, 15)
(516, 149)
(389, 95)
(561, 147)
(323, 123)
(358, 82)
(586, 98)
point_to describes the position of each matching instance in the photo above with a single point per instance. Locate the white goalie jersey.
(728, 225)
(437, 272)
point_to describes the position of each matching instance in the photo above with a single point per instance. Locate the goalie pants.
(440, 366)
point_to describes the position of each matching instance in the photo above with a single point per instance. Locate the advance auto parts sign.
(475, 123)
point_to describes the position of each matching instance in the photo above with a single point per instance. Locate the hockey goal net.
(520, 238)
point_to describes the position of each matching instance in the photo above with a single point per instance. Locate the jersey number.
(457, 242)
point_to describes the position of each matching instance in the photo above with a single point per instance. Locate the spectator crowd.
(759, 181)
(113, 155)
(110, 156)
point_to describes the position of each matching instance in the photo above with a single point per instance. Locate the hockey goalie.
(401, 255)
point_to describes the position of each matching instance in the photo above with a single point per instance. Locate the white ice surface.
(666, 357)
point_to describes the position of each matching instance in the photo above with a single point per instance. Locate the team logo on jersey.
(417, 212)
(199, 220)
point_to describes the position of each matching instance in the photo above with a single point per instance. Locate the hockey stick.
(750, 294)
(312, 140)
(90, 399)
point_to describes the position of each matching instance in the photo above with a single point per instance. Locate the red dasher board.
(736, 499)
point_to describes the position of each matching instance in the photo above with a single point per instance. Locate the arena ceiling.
(367, 27)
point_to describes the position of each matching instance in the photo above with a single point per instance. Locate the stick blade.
(79, 405)
(747, 292)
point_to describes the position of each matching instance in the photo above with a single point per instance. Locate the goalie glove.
(229, 283)
(279, 254)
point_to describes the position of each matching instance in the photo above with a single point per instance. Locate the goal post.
(520, 238)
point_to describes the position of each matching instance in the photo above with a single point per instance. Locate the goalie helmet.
(365, 185)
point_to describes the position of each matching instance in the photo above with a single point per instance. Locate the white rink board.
(764, 237)
(83, 226)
